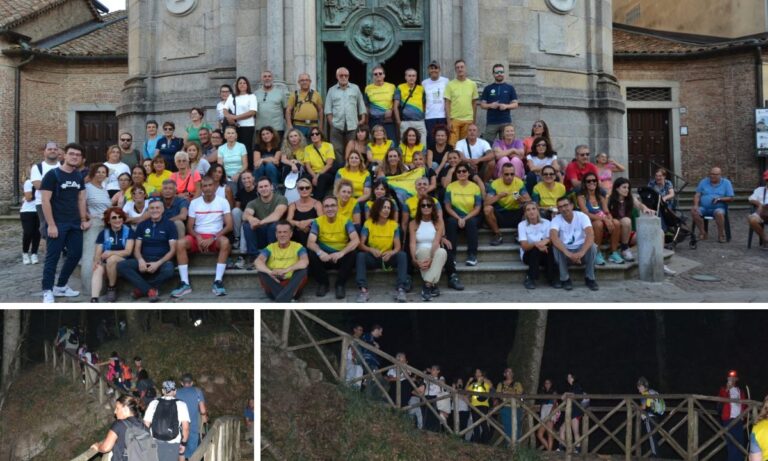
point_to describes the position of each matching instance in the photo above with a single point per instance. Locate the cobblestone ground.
(741, 274)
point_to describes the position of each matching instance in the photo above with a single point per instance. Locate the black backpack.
(139, 444)
(165, 423)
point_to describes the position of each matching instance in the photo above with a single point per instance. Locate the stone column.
(302, 54)
(470, 36)
(650, 248)
(275, 38)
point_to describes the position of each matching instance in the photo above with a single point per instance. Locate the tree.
(133, 323)
(528, 348)
(11, 344)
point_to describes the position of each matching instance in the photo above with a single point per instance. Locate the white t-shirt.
(36, 175)
(735, 393)
(96, 201)
(28, 207)
(130, 210)
(473, 151)
(759, 195)
(434, 91)
(541, 162)
(245, 103)
(115, 170)
(203, 166)
(209, 217)
(181, 408)
(532, 233)
(220, 110)
(572, 233)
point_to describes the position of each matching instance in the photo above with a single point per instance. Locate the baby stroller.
(673, 223)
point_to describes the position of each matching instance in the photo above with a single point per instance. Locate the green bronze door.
(359, 34)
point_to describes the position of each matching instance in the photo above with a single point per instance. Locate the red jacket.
(725, 409)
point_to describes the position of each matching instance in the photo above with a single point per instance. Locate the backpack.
(658, 406)
(113, 370)
(107, 245)
(151, 394)
(40, 169)
(298, 103)
(165, 423)
(126, 372)
(139, 444)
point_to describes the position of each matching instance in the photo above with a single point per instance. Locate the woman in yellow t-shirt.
(354, 171)
(546, 192)
(380, 248)
(347, 203)
(318, 162)
(463, 203)
(377, 149)
(410, 145)
(293, 148)
(159, 173)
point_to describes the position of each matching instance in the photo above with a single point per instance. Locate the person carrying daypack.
(128, 439)
(168, 420)
(652, 408)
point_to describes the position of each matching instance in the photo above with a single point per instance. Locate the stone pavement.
(741, 274)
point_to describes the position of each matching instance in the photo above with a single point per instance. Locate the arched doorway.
(359, 34)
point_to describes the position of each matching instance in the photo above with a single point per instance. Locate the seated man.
(282, 266)
(756, 220)
(153, 252)
(478, 152)
(260, 217)
(243, 197)
(573, 242)
(711, 200)
(175, 207)
(210, 220)
(332, 243)
(503, 201)
(576, 170)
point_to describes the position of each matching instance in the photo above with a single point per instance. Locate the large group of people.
(400, 173)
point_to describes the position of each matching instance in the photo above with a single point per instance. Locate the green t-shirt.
(461, 95)
(262, 209)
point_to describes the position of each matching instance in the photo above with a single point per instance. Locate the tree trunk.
(11, 342)
(133, 321)
(528, 348)
(661, 350)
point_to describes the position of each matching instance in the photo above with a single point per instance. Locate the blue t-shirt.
(499, 92)
(116, 242)
(192, 396)
(168, 150)
(709, 192)
(155, 238)
(177, 205)
(149, 147)
(248, 413)
(65, 188)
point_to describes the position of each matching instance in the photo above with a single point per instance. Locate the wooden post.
(515, 423)
(86, 379)
(638, 434)
(343, 359)
(398, 388)
(568, 428)
(532, 439)
(45, 351)
(75, 367)
(628, 435)
(585, 434)
(455, 398)
(101, 389)
(286, 327)
(53, 353)
(692, 429)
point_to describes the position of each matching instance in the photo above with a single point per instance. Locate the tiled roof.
(634, 41)
(110, 40)
(15, 12)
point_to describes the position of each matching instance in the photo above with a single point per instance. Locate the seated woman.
(125, 181)
(347, 203)
(292, 150)
(196, 160)
(535, 250)
(114, 244)
(223, 189)
(539, 129)
(664, 187)
(426, 232)
(436, 153)
(605, 169)
(266, 155)
(187, 180)
(508, 149)
(411, 144)
(319, 158)
(303, 211)
(359, 143)
(380, 189)
(139, 176)
(547, 192)
(159, 173)
(378, 147)
(380, 248)
(625, 209)
(593, 203)
(541, 156)
(355, 172)
(463, 205)
(136, 209)
(393, 165)
(447, 174)
(429, 173)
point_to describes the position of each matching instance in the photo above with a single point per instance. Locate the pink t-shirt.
(516, 161)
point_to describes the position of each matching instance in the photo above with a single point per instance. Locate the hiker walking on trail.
(127, 438)
(168, 420)
(732, 414)
(198, 412)
(652, 409)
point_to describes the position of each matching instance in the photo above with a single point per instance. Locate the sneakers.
(496, 240)
(591, 284)
(615, 258)
(426, 293)
(240, 263)
(322, 290)
(435, 291)
(137, 294)
(668, 271)
(65, 291)
(154, 296)
(25, 259)
(94, 300)
(341, 292)
(557, 284)
(33, 258)
(48, 296)
(471, 260)
(627, 255)
(529, 283)
(408, 284)
(599, 259)
(455, 283)
(111, 294)
(362, 297)
(400, 295)
(218, 288)
(183, 289)
(567, 285)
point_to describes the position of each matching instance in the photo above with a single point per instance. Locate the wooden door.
(96, 132)
(649, 143)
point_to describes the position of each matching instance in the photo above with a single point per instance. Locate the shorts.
(194, 248)
(760, 219)
(710, 211)
(546, 409)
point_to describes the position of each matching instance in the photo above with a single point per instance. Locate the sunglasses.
(167, 129)
(498, 72)
(591, 181)
(304, 188)
(586, 154)
(509, 174)
(125, 140)
(427, 205)
(115, 218)
(462, 171)
(314, 134)
(547, 174)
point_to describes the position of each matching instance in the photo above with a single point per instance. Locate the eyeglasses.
(591, 181)
(378, 73)
(584, 154)
(547, 174)
(314, 134)
(115, 218)
(304, 188)
(538, 125)
(462, 171)
(427, 205)
(343, 75)
(125, 139)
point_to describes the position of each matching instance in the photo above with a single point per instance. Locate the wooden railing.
(221, 443)
(611, 424)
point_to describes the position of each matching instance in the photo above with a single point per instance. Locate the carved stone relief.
(336, 12)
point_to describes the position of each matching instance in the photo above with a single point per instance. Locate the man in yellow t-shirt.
(282, 266)
(504, 197)
(410, 100)
(480, 385)
(305, 107)
(460, 103)
(332, 242)
(380, 99)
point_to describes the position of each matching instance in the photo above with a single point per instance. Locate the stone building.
(62, 68)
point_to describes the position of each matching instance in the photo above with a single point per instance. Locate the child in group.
(30, 224)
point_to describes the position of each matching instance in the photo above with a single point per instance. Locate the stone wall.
(719, 95)
(7, 91)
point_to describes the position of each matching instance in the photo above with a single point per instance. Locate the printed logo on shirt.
(147, 232)
(70, 185)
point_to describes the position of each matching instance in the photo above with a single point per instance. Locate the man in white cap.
(168, 420)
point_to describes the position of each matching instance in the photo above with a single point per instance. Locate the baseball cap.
(169, 386)
(765, 174)
(186, 378)
(434, 63)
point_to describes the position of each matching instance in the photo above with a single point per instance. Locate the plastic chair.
(751, 231)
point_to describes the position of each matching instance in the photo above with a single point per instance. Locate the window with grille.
(649, 94)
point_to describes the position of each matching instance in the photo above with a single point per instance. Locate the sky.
(114, 5)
